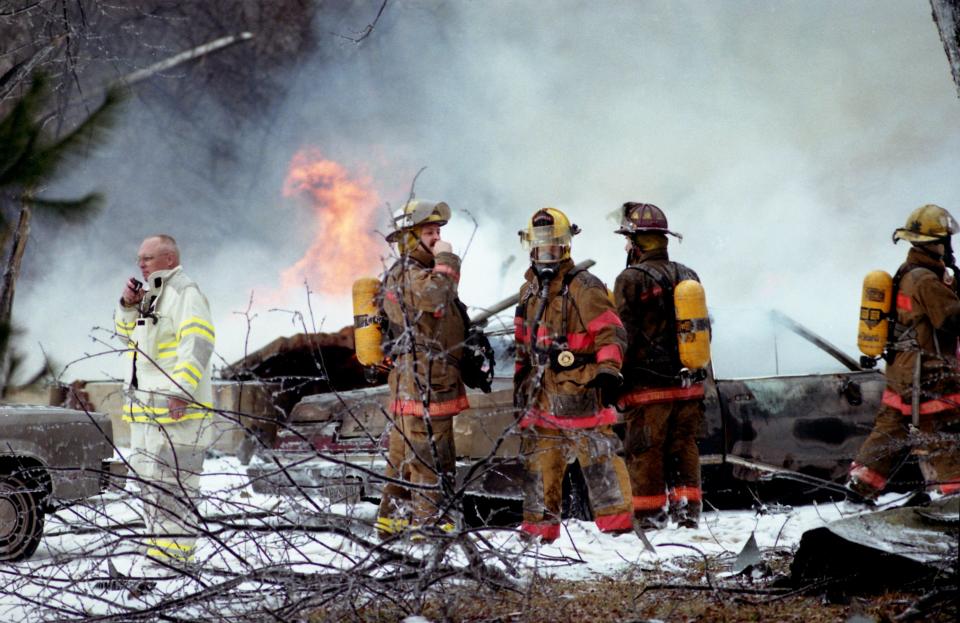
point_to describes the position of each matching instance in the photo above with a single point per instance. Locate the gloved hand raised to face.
(608, 383)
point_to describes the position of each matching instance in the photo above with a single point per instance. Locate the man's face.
(429, 234)
(154, 255)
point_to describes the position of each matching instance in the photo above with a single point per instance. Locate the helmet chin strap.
(410, 241)
(948, 257)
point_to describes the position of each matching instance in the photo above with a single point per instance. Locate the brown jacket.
(643, 293)
(554, 395)
(928, 317)
(426, 334)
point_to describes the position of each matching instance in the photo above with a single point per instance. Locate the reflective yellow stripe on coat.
(160, 415)
(187, 374)
(165, 350)
(166, 548)
(196, 326)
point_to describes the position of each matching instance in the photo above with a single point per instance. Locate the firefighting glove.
(607, 383)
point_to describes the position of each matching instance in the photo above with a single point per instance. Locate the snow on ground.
(65, 578)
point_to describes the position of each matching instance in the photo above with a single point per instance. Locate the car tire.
(21, 518)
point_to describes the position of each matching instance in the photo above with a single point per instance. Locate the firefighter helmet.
(548, 236)
(641, 218)
(929, 223)
(411, 217)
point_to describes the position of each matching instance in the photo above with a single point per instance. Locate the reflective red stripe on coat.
(577, 341)
(437, 409)
(944, 403)
(537, 417)
(656, 395)
(904, 302)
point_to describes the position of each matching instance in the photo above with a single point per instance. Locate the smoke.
(785, 141)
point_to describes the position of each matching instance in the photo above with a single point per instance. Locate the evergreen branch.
(72, 210)
(37, 164)
(19, 131)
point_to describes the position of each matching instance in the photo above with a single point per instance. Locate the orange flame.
(344, 244)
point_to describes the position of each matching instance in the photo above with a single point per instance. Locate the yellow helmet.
(928, 223)
(411, 217)
(548, 236)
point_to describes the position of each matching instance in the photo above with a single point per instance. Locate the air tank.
(366, 328)
(693, 324)
(875, 301)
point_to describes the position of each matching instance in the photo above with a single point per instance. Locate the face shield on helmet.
(548, 236)
(640, 218)
(409, 220)
(929, 229)
(929, 223)
(645, 225)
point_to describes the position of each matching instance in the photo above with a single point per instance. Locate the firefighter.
(921, 402)
(425, 341)
(167, 324)
(570, 346)
(661, 409)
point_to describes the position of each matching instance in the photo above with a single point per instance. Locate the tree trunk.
(946, 15)
(12, 270)
(10, 274)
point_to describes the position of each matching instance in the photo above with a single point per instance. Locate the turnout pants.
(168, 460)
(546, 452)
(663, 460)
(890, 440)
(411, 457)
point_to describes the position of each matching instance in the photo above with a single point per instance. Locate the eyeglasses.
(146, 259)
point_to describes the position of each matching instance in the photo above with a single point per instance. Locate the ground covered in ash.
(266, 557)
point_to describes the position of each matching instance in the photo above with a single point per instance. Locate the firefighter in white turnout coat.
(168, 401)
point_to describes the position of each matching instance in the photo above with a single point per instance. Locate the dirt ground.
(652, 594)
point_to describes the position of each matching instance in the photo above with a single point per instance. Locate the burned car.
(50, 457)
(803, 425)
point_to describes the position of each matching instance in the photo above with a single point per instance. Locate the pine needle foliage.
(28, 158)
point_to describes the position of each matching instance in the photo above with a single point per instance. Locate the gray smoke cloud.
(785, 141)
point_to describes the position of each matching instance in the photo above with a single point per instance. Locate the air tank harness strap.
(666, 356)
(543, 356)
(901, 337)
(561, 357)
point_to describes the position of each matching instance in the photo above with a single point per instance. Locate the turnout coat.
(426, 334)
(559, 353)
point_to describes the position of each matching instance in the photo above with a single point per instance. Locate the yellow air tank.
(693, 324)
(366, 328)
(875, 300)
